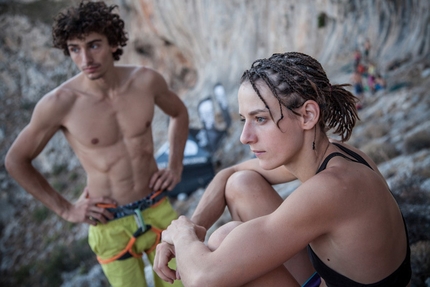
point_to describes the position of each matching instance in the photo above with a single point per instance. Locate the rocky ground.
(39, 249)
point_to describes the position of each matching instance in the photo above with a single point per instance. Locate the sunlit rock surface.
(196, 44)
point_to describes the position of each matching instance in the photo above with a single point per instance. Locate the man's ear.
(310, 114)
(114, 48)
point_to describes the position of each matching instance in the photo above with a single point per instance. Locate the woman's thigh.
(249, 196)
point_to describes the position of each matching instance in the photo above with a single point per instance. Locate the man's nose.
(87, 57)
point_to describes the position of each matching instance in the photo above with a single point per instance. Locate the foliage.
(59, 169)
(417, 141)
(47, 272)
(375, 130)
(322, 17)
(380, 152)
(414, 203)
(40, 214)
(420, 261)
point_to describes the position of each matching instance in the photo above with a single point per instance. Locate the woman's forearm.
(212, 204)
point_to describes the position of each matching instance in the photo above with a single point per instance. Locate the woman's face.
(272, 145)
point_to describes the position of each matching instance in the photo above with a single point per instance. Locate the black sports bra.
(399, 278)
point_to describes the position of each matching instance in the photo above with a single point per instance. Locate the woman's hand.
(163, 254)
(182, 227)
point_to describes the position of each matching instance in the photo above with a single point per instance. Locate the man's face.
(92, 54)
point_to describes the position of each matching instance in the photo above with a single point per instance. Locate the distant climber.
(357, 59)
(367, 47)
(357, 83)
(380, 83)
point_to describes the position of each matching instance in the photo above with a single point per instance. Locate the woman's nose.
(247, 136)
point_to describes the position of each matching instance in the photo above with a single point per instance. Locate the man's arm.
(212, 204)
(45, 122)
(172, 105)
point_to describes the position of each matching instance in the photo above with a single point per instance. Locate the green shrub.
(40, 214)
(77, 190)
(59, 185)
(47, 272)
(73, 176)
(59, 169)
(376, 130)
(417, 141)
(28, 106)
(420, 261)
(322, 17)
(380, 152)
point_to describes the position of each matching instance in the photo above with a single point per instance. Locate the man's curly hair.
(88, 17)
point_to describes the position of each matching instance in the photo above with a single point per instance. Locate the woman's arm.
(252, 249)
(212, 204)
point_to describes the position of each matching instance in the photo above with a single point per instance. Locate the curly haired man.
(105, 112)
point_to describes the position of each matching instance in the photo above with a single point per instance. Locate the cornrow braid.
(294, 78)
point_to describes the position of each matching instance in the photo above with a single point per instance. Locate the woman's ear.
(311, 114)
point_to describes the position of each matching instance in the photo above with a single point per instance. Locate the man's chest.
(107, 122)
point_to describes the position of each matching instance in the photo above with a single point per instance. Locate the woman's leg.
(277, 277)
(218, 235)
(249, 196)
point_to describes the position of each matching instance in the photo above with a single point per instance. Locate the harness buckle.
(142, 227)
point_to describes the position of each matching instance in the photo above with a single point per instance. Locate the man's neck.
(107, 85)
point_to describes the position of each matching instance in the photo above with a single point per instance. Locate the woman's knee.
(220, 234)
(249, 195)
(245, 183)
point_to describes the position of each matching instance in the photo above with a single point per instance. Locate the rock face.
(196, 44)
(202, 42)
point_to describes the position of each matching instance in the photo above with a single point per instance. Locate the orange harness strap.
(127, 252)
(158, 233)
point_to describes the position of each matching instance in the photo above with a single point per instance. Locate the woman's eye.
(260, 119)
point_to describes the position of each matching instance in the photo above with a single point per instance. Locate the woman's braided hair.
(88, 17)
(295, 78)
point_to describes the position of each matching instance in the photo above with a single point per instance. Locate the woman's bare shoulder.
(359, 152)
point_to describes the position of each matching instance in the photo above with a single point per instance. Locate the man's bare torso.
(112, 137)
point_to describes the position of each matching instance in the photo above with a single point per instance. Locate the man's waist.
(141, 204)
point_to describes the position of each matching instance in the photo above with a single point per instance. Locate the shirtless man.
(105, 113)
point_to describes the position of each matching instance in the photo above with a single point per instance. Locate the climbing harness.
(135, 209)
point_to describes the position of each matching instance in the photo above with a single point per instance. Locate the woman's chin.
(267, 165)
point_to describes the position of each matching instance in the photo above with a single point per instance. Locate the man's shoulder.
(55, 105)
(64, 94)
(130, 69)
(138, 72)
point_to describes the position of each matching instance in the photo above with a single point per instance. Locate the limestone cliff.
(200, 42)
(195, 44)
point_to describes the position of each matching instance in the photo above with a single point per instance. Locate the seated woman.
(343, 212)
